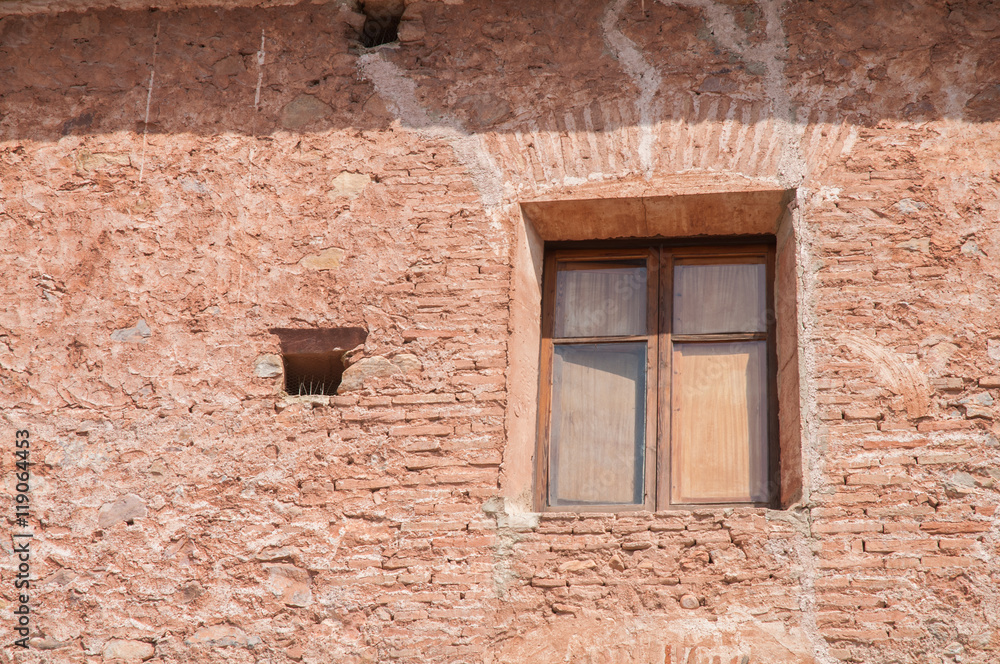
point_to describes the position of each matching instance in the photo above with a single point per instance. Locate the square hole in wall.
(381, 22)
(314, 359)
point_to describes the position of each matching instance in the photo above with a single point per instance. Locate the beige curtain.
(598, 424)
(719, 298)
(600, 301)
(719, 422)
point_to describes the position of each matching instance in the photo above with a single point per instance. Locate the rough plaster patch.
(902, 377)
(643, 74)
(511, 522)
(229, 66)
(193, 186)
(826, 195)
(306, 400)
(656, 639)
(767, 57)
(400, 92)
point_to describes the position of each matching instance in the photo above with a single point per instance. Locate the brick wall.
(175, 183)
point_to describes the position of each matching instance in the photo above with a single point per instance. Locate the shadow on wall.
(501, 67)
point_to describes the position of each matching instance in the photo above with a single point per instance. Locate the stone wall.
(176, 183)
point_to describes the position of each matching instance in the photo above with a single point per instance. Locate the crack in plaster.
(792, 169)
(149, 101)
(643, 75)
(256, 107)
(392, 84)
(510, 523)
(812, 460)
(260, 71)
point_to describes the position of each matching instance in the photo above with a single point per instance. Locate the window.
(658, 378)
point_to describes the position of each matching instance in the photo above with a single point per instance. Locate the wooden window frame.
(661, 256)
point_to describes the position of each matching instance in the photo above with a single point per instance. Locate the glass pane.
(598, 424)
(719, 406)
(720, 298)
(600, 299)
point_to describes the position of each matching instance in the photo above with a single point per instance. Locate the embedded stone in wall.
(267, 366)
(985, 104)
(289, 583)
(909, 206)
(349, 185)
(138, 333)
(485, 109)
(127, 508)
(407, 363)
(222, 636)
(922, 245)
(369, 367)
(190, 592)
(87, 161)
(410, 31)
(130, 651)
(970, 248)
(328, 259)
(303, 111)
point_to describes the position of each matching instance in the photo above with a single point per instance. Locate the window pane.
(719, 298)
(598, 424)
(600, 299)
(719, 406)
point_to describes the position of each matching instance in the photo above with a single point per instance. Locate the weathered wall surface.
(173, 184)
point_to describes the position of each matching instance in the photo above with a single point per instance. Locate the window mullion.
(652, 378)
(664, 302)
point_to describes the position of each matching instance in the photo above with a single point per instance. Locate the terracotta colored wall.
(185, 511)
